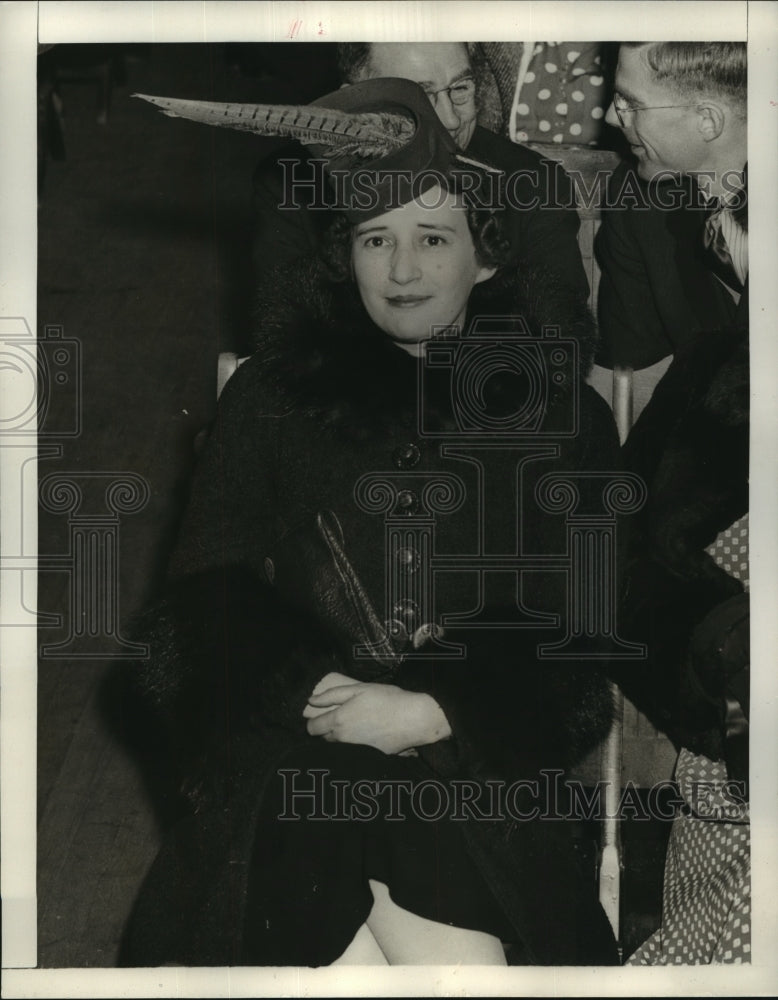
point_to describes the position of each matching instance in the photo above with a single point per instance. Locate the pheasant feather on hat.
(385, 126)
(340, 133)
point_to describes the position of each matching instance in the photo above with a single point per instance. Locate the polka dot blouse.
(561, 97)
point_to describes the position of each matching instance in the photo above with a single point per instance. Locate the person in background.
(675, 282)
(673, 248)
(547, 92)
(543, 222)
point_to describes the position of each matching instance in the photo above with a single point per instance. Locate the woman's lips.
(406, 301)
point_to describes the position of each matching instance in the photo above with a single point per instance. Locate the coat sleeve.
(233, 514)
(542, 219)
(691, 446)
(552, 231)
(631, 328)
(229, 658)
(230, 663)
(511, 713)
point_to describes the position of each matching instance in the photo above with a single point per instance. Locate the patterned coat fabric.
(325, 400)
(706, 912)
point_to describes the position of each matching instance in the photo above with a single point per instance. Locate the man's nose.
(446, 111)
(405, 267)
(611, 117)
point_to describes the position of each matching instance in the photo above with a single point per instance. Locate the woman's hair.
(487, 228)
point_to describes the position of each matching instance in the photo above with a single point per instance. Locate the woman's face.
(416, 266)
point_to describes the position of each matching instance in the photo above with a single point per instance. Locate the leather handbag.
(311, 570)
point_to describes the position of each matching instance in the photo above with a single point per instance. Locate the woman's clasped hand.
(383, 716)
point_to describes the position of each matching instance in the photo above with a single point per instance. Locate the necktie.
(717, 254)
(726, 228)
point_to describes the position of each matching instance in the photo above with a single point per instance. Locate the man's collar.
(734, 197)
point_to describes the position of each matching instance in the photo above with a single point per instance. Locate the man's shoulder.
(537, 175)
(501, 152)
(667, 192)
(669, 206)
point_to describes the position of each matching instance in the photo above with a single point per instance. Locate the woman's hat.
(381, 140)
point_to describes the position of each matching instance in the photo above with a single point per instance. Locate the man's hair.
(353, 60)
(700, 67)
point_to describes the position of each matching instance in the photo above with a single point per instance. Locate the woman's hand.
(376, 715)
(330, 680)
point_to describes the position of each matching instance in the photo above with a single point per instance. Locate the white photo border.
(24, 25)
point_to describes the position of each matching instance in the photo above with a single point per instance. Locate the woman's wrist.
(433, 724)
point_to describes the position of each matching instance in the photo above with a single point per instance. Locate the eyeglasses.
(622, 107)
(458, 93)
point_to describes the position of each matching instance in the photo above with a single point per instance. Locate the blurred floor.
(144, 260)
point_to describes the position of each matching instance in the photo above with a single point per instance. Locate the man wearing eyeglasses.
(674, 283)
(677, 265)
(543, 220)
(443, 71)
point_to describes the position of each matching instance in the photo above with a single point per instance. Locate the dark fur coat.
(254, 615)
(691, 445)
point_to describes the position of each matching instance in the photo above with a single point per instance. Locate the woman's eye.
(375, 241)
(434, 241)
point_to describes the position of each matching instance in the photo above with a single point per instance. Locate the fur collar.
(322, 355)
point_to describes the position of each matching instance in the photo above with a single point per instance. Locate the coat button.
(408, 502)
(396, 629)
(425, 634)
(409, 559)
(406, 610)
(406, 456)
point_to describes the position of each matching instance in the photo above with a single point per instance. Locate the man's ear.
(712, 118)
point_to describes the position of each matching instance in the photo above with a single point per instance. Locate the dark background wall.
(145, 261)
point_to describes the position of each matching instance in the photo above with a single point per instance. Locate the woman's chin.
(408, 336)
(411, 346)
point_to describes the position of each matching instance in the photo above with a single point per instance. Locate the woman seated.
(348, 698)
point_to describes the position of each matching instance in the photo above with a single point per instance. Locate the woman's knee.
(407, 939)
